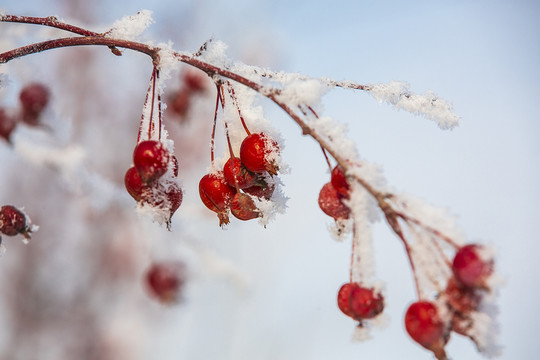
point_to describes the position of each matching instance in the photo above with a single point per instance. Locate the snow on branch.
(428, 104)
(132, 26)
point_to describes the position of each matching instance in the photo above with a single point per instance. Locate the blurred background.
(76, 290)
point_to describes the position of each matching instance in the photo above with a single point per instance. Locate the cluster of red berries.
(13, 222)
(33, 100)
(192, 83)
(164, 281)
(354, 299)
(143, 181)
(333, 194)
(241, 178)
(430, 323)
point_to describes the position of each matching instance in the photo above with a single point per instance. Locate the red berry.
(234, 167)
(164, 280)
(461, 298)
(339, 181)
(424, 324)
(256, 153)
(261, 188)
(194, 80)
(180, 102)
(330, 201)
(344, 298)
(462, 301)
(243, 207)
(174, 197)
(34, 98)
(470, 267)
(151, 160)
(133, 183)
(359, 303)
(12, 220)
(7, 124)
(366, 303)
(216, 195)
(167, 197)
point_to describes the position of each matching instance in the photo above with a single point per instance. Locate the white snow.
(132, 26)
(428, 104)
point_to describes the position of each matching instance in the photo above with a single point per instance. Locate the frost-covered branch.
(443, 288)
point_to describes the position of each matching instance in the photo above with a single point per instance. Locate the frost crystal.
(131, 27)
(428, 104)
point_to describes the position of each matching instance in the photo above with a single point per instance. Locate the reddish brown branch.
(51, 21)
(91, 38)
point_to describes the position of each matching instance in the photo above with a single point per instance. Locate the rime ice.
(132, 26)
(428, 104)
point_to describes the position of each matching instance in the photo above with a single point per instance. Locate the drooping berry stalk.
(213, 136)
(235, 102)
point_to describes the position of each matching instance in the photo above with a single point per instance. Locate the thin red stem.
(327, 159)
(394, 224)
(235, 101)
(151, 120)
(352, 254)
(212, 139)
(435, 232)
(51, 21)
(145, 105)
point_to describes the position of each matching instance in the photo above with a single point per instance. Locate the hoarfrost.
(168, 62)
(428, 104)
(362, 267)
(430, 216)
(485, 329)
(270, 208)
(360, 334)
(303, 91)
(132, 26)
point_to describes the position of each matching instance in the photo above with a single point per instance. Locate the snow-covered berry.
(235, 170)
(12, 220)
(425, 325)
(256, 153)
(243, 207)
(216, 195)
(471, 267)
(331, 203)
(151, 160)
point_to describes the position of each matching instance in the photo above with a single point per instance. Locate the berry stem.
(273, 94)
(159, 104)
(212, 138)
(392, 220)
(432, 230)
(151, 120)
(235, 101)
(353, 246)
(145, 105)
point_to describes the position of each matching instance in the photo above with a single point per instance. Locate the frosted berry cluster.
(452, 281)
(233, 188)
(431, 322)
(244, 179)
(151, 161)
